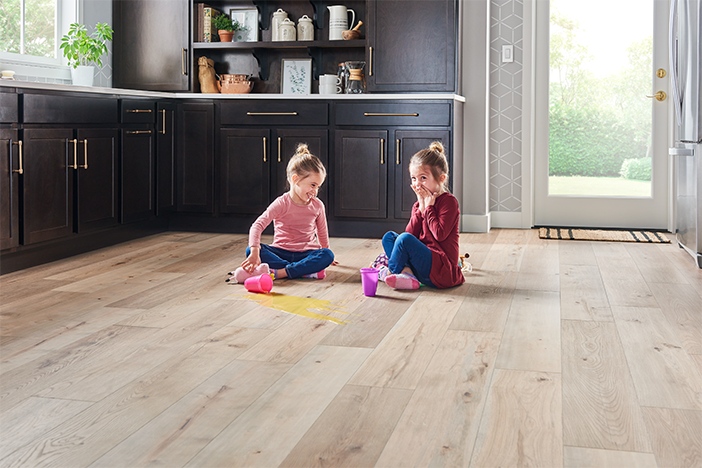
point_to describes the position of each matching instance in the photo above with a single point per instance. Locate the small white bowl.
(7, 75)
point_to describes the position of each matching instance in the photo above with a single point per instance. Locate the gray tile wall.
(505, 143)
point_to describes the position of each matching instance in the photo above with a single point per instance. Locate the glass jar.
(356, 83)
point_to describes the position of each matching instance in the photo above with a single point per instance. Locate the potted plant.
(83, 50)
(226, 27)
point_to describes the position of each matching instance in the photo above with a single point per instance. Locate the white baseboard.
(475, 223)
(508, 220)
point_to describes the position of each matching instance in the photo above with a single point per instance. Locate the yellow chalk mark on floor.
(303, 306)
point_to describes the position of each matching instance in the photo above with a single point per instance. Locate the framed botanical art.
(296, 76)
(247, 17)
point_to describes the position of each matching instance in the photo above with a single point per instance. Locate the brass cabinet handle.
(370, 61)
(85, 154)
(138, 132)
(382, 151)
(279, 148)
(163, 122)
(389, 114)
(75, 153)
(21, 163)
(270, 113)
(139, 111)
(397, 152)
(264, 148)
(183, 60)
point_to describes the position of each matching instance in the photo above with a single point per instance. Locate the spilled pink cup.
(259, 284)
(369, 279)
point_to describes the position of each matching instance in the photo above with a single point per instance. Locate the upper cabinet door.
(412, 46)
(151, 45)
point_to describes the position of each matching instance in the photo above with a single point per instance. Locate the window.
(30, 30)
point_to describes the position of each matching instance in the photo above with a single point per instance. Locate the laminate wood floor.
(553, 353)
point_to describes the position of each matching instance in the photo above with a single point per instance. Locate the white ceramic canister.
(305, 29)
(286, 30)
(278, 16)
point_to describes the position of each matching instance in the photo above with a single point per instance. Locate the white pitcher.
(338, 21)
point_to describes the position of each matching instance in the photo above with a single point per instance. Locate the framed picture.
(248, 17)
(296, 76)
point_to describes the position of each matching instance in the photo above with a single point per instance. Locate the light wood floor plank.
(583, 296)
(441, 421)
(664, 374)
(532, 336)
(580, 457)
(681, 306)
(401, 358)
(272, 425)
(676, 436)
(600, 407)
(521, 424)
(488, 299)
(353, 430)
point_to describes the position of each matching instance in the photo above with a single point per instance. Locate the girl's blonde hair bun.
(436, 146)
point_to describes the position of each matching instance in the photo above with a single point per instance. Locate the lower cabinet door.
(245, 167)
(49, 159)
(10, 166)
(97, 189)
(137, 174)
(286, 141)
(195, 188)
(360, 174)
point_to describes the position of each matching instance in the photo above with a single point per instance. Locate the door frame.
(535, 114)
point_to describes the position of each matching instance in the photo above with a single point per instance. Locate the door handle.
(163, 121)
(21, 164)
(85, 154)
(660, 96)
(75, 153)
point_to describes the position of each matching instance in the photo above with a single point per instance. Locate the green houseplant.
(226, 27)
(82, 50)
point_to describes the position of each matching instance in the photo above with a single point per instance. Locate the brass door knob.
(660, 96)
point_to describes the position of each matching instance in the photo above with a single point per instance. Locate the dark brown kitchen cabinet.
(151, 48)
(165, 157)
(10, 169)
(96, 178)
(373, 145)
(50, 161)
(195, 162)
(411, 46)
(138, 174)
(257, 140)
(360, 173)
(253, 165)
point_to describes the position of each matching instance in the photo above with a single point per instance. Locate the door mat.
(602, 235)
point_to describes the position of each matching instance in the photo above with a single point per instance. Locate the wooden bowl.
(236, 87)
(350, 34)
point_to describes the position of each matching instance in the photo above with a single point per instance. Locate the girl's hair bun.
(437, 146)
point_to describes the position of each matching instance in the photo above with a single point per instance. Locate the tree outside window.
(29, 27)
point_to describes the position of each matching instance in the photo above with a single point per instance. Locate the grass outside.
(598, 186)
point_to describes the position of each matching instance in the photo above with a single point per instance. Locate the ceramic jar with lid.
(286, 30)
(278, 16)
(305, 29)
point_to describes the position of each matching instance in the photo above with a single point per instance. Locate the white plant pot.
(83, 75)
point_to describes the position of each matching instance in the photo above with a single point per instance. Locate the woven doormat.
(602, 235)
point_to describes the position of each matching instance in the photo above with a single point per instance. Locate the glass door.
(601, 114)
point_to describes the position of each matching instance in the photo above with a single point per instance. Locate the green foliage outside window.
(39, 27)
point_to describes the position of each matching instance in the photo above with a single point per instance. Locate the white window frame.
(67, 12)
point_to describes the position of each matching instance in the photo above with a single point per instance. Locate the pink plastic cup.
(259, 284)
(369, 279)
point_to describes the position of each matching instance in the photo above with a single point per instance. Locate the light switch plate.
(507, 53)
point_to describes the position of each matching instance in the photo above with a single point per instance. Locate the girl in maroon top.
(427, 252)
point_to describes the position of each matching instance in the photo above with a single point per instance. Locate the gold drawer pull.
(139, 111)
(21, 165)
(388, 114)
(85, 154)
(138, 132)
(265, 143)
(75, 153)
(382, 151)
(271, 113)
(163, 122)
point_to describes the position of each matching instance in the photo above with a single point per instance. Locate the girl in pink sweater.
(300, 245)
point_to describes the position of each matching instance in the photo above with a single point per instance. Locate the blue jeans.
(296, 264)
(405, 250)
